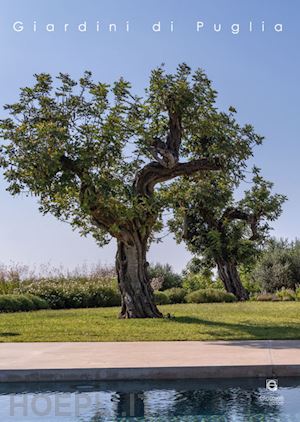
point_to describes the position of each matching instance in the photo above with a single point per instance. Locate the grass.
(214, 321)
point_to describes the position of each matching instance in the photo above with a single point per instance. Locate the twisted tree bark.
(132, 236)
(229, 275)
(134, 283)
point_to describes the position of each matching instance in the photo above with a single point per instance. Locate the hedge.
(21, 302)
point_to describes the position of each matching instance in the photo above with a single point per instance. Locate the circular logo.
(272, 385)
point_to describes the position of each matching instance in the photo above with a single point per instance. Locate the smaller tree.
(224, 232)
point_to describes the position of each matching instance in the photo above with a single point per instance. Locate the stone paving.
(145, 360)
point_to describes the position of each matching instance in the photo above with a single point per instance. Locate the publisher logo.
(272, 384)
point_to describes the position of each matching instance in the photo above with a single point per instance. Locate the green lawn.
(219, 321)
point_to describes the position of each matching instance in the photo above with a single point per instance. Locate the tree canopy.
(89, 147)
(219, 228)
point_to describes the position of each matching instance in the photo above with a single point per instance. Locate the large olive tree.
(93, 155)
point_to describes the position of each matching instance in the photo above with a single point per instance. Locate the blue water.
(188, 400)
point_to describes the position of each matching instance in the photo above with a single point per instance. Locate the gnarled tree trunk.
(134, 283)
(228, 273)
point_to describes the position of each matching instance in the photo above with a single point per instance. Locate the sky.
(256, 72)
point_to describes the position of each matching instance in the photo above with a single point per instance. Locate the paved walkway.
(144, 360)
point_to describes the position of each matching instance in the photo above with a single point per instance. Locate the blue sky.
(257, 72)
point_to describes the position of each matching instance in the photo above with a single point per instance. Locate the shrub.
(9, 303)
(161, 298)
(15, 303)
(281, 295)
(38, 302)
(209, 296)
(25, 303)
(176, 295)
(286, 295)
(8, 287)
(266, 297)
(80, 293)
(193, 282)
(279, 266)
(165, 275)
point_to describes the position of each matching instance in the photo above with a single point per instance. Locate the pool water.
(185, 400)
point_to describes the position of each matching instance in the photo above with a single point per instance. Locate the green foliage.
(80, 146)
(209, 296)
(161, 298)
(251, 284)
(7, 287)
(286, 295)
(198, 266)
(194, 282)
(21, 302)
(62, 294)
(176, 295)
(217, 227)
(54, 126)
(163, 277)
(279, 266)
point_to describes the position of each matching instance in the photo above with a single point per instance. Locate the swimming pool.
(184, 400)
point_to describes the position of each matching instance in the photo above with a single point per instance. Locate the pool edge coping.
(149, 373)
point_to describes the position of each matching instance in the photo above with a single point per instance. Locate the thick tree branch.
(175, 134)
(237, 214)
(167, 153)
(163, 154)
(71, 165)
(154, 173)
(89, 196)
(232, 213)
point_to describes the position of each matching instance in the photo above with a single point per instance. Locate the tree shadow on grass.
(8, 334)
(225, 330)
